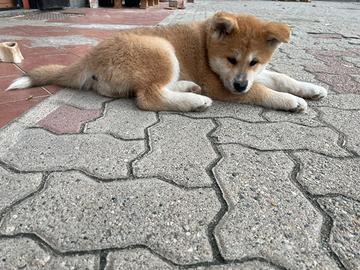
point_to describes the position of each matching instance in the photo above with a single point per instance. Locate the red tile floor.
(15, 103)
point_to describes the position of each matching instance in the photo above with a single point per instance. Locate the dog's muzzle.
(240, 86)
(240, 83)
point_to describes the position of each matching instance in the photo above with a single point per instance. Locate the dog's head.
(240, 46)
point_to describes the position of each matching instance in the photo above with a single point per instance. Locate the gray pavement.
(235, 187)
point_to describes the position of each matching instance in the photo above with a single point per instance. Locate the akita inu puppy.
(181, 67)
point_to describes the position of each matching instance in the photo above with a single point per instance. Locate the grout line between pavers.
(102, 114)
(148, 148)
(328, 222)
(342, 137)
(38, 190)
(219, 193)
(335, 195)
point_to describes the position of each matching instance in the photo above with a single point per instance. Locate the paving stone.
(355, 61)
(308, 118)
(136, 259)
(339, 83)
(268, 216)
(68, 119)
(123, 119)
(345, 233)
(338, 67)
(77, 213)
(323, 175)
(97, 154)
(341, 101)
(15, 186)
(180, 151)
(23, 253)
(279, 136)
(252, 265)
(347, 122)
(81, 99)
(227, 109)
(141, 259)
(356, 78)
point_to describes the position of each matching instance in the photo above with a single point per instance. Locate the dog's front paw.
(313, 91)
(291, 103)
(298, 105)
(201, 103)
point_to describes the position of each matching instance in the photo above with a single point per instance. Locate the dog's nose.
(240, 85)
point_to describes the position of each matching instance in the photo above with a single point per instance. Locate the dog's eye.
(253, 62)
(232, 60)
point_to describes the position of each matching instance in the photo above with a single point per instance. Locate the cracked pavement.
(93, 183)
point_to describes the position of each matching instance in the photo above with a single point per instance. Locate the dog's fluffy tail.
(71, 76)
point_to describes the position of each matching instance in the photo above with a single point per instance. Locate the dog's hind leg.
(283, 83)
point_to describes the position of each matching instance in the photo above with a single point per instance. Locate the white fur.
(283, 83)
(220, 66)
(185, 86)
(185, 102)
(285, 101)
(19, 83)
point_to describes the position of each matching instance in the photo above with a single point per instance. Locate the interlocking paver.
(123, 119)
(268, 216)
(81, 99)
(23, 253)
(339, 83)
(180, 151)
(309, 118)
(135, 259)
(279, 136)
(323, 175)
(15, 186)
(345, 234)
(140, 259)
(347, 122)
(341, 101)
(97, 154)
(227, 109)
(76, 213)
(68, 119)
(251, 265)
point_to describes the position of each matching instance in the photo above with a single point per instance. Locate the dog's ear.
(222, 24)
(277, 33)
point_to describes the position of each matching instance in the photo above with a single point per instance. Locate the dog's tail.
(68, 76)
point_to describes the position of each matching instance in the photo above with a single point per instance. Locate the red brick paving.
(333, 70)
(339, 83)
(134, 16)
(68, 119)
(14, 103)
(10, 111)
(21, 94)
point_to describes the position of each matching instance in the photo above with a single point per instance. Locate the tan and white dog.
(181, 67)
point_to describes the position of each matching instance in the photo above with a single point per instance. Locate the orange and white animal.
(184, 67)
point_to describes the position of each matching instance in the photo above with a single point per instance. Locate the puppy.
(184, 67)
